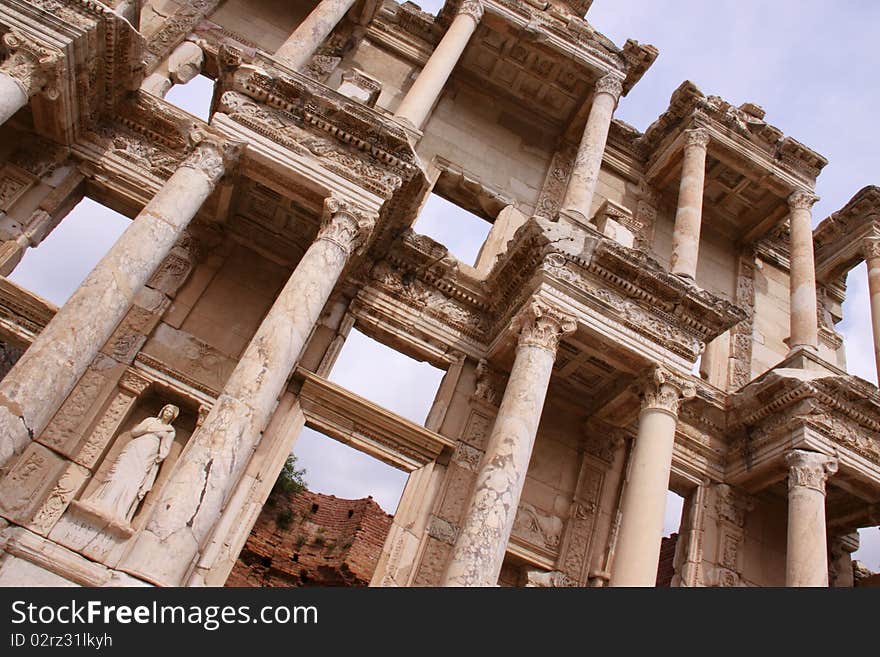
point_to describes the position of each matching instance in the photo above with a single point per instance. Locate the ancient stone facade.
(618, 263)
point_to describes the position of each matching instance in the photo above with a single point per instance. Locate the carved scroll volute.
(542, 325)
(664, 390)
(33, 66)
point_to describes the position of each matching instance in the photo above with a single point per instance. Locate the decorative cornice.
(542, 325)
(346, 225)
(663, 390)
(809, 469)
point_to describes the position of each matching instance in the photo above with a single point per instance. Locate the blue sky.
(811, 65)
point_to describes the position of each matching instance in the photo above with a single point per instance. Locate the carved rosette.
(346, 225)
(696, 137)
(809, 469)
(34, 67)
(801, 200)
(664, 391)
(541, 325)
(609, 84)
(871, 247)
(472, 8)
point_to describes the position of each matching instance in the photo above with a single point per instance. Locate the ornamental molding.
(745, 123)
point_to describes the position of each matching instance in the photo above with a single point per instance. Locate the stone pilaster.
(806, 562)
(644, 500)
(41, 380)
(29, 69)
(804, 331)
(479, 550)
(194, 496)
(689, 213)
(423, 94)
(578, 198)
(299, 47)
(871, 251)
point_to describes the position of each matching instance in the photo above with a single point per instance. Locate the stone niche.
(80, 528)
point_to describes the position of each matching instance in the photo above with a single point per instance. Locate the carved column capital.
(663, 390)
(212, 156)
(472, 8)
(346, 225)
(801, 200)
(33, 66)
(871, 247)
(609, 84)
(696, 137)
(809, 469)
(541, 325)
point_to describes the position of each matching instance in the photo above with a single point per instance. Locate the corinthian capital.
(33, 66)
(346, 225)
(663, 390)
(801, 200)
(696, 137)
(871, 247)
(541, 325)
(472, 8)
(609, 84)
(809, 469)
(211, 156)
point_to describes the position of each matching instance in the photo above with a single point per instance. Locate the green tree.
(290, 479)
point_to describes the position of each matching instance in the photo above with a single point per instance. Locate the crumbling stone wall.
(310, 539)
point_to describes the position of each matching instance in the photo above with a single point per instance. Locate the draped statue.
(132, 473)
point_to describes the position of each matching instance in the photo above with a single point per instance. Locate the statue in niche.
(131, 476)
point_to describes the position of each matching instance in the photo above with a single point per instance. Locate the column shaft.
(689, 213)
(806, 561)
(644, 499)
(804, 329)
(299, 47)
(871, 250)
(12, 96)
(428, 86)
(194, 496)
(40, 381)
(479, 551)
(581, 187)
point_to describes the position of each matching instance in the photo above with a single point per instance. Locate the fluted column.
(804, 330)
(806, 561)
(578, 197)
(27, 70)
(482, 541)
(689, 213)
(871, 251)
(207, 472)
(427, 88)
(644, 500)
(299, 47)
(40, 381)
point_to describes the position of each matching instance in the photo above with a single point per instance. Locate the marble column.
(182, 65)
(804, 330)
(41, 380)
(25, 72)
(689, 213)
(871, 251)
(195, 493)
(305, 40)
(578, 199)
(806, 562)
(644, 499)
(479, 551)
(417, 104)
